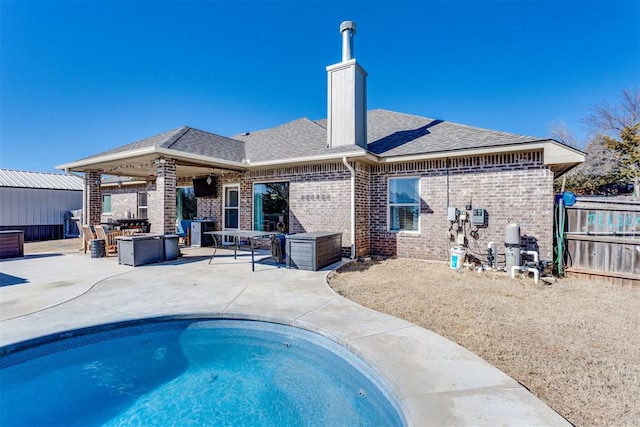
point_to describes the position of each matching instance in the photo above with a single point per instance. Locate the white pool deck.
(437, 382)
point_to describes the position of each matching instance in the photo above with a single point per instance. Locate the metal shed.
(39, 204)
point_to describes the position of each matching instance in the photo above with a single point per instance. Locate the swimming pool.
(198, 372)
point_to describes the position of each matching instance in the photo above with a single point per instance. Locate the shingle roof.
(296, 139)
(189, 140)
(392, 134)
(50, 181)
(388, 134)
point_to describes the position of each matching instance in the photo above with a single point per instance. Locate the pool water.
(184, 372)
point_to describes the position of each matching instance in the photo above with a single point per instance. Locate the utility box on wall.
(479, 217)
(313, 251)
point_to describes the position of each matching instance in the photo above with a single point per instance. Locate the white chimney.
(347, 96)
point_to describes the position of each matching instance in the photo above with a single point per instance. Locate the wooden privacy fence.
(603, 240)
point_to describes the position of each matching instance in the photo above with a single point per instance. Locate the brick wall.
(94, 197)
(125, 199)
(363, 210)
(318, 199)
(162, 203)
(511, 187)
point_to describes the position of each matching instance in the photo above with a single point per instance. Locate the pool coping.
(435, 381)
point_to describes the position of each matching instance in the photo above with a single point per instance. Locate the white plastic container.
(458, 254)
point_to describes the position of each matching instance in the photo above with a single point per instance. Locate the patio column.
(93, 211)
(165, 217)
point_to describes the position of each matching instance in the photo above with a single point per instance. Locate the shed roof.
(42, 180)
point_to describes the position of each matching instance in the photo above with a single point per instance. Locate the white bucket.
(457, 257)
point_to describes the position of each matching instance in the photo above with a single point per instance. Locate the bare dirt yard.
(573, 343)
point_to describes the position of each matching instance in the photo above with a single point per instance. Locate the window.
(404, 204)
(142, 205)
(271, 206)
(186, 204)
(231, 208)
(106, 204)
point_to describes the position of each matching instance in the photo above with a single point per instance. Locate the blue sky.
(81, 77)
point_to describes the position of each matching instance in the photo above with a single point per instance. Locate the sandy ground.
(62, 246)
(574, 344)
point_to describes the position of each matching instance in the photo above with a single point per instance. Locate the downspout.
(353, 206)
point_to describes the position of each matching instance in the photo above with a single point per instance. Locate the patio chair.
(110, 242)
(87, 235)
(184, 231)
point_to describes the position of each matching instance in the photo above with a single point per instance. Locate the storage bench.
(11, 244)
(313, 251)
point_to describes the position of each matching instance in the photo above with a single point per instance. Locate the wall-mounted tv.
(202, 188)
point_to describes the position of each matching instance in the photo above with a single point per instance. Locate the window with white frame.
(106, 204)
(142, 205)
(404, 204)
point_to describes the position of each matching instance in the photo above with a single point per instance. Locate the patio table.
(250, 235)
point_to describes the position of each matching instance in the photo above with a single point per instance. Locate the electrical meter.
(479, 217)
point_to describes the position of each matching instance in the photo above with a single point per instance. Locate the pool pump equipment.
(512, 244)
(514, 252)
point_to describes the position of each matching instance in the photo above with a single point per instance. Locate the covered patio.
(159, 165)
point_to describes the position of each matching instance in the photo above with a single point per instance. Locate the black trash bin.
(98, 249)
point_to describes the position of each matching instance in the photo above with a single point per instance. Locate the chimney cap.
(348, 25)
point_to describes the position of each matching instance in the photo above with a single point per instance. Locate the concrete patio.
(436, 381)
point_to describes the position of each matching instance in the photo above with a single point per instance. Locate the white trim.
(146, 151)
(138, 206)
(553, 153)
(311, 159)
(224, 200)
(102, 204)
(352, 217)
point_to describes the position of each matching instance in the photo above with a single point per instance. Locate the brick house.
(382, 178)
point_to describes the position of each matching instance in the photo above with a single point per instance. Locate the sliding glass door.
(271, 206)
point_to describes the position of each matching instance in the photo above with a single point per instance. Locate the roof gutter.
(310, 159)
(549, 148)
(207, 160)
(86, 164)
(107, 158)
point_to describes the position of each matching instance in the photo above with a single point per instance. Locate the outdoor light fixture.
(209, 180)
(98, 181)
(119, 183)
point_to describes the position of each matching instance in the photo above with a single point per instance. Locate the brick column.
(93, 211)
(165, 216)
